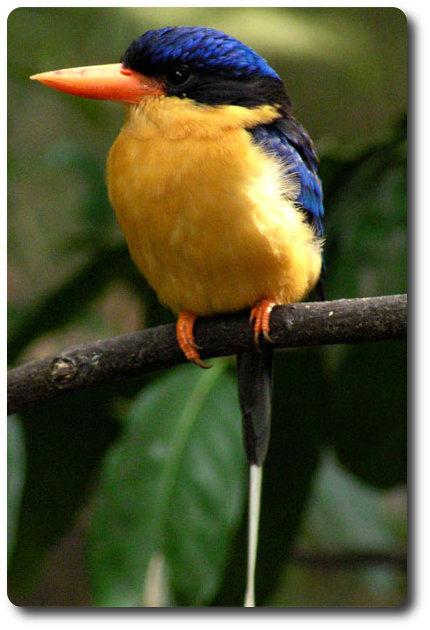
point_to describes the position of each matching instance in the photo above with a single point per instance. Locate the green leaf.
(172, 491)
(346, 514)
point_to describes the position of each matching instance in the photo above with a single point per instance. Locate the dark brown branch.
(307, 324)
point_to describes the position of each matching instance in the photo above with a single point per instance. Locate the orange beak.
(111, 81)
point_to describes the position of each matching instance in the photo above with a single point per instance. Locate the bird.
(217, 190)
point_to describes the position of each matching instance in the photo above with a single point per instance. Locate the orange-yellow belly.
(208, 218)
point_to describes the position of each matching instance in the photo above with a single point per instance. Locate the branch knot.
(64, 371)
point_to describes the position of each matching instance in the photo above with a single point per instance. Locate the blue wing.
(287, 140)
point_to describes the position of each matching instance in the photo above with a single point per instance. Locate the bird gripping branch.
(216, 188)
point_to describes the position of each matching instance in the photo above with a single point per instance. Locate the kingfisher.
(216, 188)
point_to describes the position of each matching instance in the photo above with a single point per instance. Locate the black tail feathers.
(319, 290)
(255, 377)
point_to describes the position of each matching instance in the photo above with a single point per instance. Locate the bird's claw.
(193, 344)
(260, 320)
(200, 363)
(185, 337)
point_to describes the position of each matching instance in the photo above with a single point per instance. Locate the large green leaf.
(346, 514)
(172, 491)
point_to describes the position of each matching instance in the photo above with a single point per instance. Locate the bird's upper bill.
(111, 81)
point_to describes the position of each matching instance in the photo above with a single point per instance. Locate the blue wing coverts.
(287, 140)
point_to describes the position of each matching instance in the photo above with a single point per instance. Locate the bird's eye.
(177, 77)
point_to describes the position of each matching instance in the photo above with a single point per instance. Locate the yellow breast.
(209, 219)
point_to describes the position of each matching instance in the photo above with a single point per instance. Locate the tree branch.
(295, 325)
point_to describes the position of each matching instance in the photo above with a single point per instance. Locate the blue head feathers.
(206, 66)
(198, 48)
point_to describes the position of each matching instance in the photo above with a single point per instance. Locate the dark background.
(104, 489)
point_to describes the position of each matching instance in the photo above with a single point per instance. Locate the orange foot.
(260, 320)
(185, 337)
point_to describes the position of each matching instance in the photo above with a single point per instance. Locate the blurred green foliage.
(166, 468)
(146, 479)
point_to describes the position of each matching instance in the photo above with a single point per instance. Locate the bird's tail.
(255, 375)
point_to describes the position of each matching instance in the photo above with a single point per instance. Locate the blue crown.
(197, 47)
